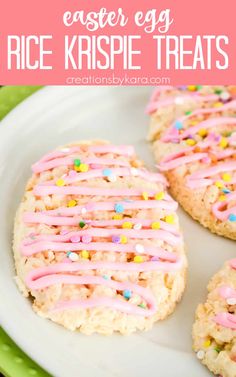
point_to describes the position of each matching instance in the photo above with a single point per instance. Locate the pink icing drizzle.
(72, 241)
(225, 319)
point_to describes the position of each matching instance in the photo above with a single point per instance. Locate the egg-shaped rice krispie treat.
(168, 103)
(197, 153)
(97, 243)
(214, 330)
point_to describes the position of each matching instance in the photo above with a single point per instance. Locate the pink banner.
(101, 42)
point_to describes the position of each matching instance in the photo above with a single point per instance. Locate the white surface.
(54, 116)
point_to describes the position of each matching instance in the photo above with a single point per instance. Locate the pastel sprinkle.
(112, 178)
(73, 256)
(83, 210)
(127, 294)
(145, 195)
(207, 343)
(117, 216)
(142, 305)
(75, 239)
(222, 198)
(226, 177)
(192, 88)
(106, 277)
(139, 248)
(178, 125)
(190, 142)
(218, 104)
(86, 239)
(60, 182)
(202, 132)
(156, 225)
(188, 112)
(72, 203)
(170, 219)
(84, 254)
(127, 225)
(200, 354)
(119, 208)
(82, 224)
(219, 184)
(226, 191)
(138, 226)
(115, 239)
(83, 168)
(107, 172)
(159, 195)
(77, 162)
(138, 259)
(232, 217)
(223, 142)
(72, 173)
(154, 259)
(231, 301)
(123, 239)
(179, 100)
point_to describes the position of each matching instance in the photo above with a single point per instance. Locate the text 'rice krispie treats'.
(214, 330)
(197, 153)
(97, 244)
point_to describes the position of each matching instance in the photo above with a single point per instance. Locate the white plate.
(54, 116)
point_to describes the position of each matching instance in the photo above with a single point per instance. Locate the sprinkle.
(207, 343)
(190, 142)
(218, 104)
(86, 238)
(75, 239)
(84, 254)
(218, 91)
(60, 182)
(179, 100)
(127, 225)
(127, 294)
(134, 172)
(117, 216)
(231, 301)
(232, 217)
(83, 210)
(193, 122)
(73, 256)
(72, 173)
(119, 208)
(107, 172)
(82, 224)
(225, 96)
(178, 125)
(142, 305)
(115, 239)
(219, 184)
(160, 195)
(192, 88)
(65, 150)
(77, 162)
(83, 168)
(156, 225)
(226, 191)
(112, 178)
(223, 142)
(217, 349)
(226, 177)
(138, 259)
(199, 87)
(123, 239)
(170, 219)
(188, 112)
(106, 277)
(200, 354)
(72, 203)
(222, 198)
(138, 226)
(145, 195)
(202, 132)
(139, 248)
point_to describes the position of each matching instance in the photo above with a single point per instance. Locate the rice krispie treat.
(168, 103)
(97, 244)
(197, 152)
(214, 330)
